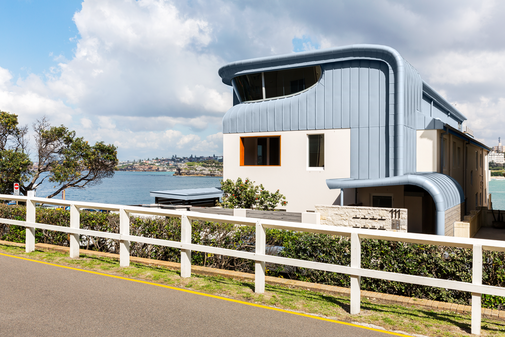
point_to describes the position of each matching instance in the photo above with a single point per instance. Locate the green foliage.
(14, 167)
(212, 162)
(244, 194)
(412, 259)
(62, 158)
(500, 173)
(14, 161)
(495, 166)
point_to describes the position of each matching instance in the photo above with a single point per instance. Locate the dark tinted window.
(277, 83)
(260, 150)
(382, 201)
(316, 150)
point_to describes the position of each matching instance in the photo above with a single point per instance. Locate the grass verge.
(410, 320)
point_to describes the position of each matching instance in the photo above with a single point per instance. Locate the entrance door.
(414, 206)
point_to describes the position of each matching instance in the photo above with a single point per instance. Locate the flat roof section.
(190, 196)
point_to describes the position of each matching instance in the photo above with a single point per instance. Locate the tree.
(61, 157)
(244, 194)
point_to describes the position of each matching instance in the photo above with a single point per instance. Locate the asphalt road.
(43, 300)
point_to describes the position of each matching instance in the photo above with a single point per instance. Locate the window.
(316, 151)
(249, 87)
(453, 154)
(445, 163)
(383, 201)
(253, 87)
(459, 156)
(260, 151)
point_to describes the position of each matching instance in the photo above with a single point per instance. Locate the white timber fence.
(355, 271)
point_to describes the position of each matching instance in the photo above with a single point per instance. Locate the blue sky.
(143, 74)
(38, 32)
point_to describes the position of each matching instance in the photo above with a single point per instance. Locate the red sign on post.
(16, 188)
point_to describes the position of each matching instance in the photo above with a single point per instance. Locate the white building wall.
(427, 156)
(497, 157)
(303, 187)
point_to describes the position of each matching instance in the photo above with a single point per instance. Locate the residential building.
(497, 157)
(354, 125)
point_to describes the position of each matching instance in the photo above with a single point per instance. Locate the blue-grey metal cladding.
(445, 191)
(350, 94)
(369, 89)
(339, 100)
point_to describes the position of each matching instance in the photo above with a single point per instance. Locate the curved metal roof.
(445, 191)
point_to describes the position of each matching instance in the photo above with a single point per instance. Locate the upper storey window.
(253, 87)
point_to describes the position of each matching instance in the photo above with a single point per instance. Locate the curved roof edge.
(445, 191)
(233, 69)
(429, 91)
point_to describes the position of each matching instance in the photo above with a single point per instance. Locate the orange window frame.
(242, 150)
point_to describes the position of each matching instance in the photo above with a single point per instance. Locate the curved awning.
(445, 190)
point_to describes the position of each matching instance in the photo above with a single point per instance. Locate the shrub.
(244, 194)
(448, 263)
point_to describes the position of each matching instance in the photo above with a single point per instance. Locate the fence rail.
(259, 256)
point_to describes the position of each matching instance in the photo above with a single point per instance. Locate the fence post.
(311, 217)
(355, 280)
(30, 217)
(185, 253)
(259, 266)
(242, 212)
(74, 238)
(476, 297)
(124, 245)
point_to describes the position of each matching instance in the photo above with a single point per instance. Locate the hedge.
(414, 259)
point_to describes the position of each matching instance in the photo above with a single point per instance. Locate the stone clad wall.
(452, 215)
(469, 226)
(364, 217)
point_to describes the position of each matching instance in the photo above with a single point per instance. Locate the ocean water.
(497, 190)
(131, 188)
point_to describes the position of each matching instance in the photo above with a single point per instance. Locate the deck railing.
(476, 288)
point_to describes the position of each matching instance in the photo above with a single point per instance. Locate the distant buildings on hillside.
(162, 164)
(497, 156)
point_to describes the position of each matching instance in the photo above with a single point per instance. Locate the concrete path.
(37, 299)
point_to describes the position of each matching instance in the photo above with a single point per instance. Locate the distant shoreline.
(197, 175)
(142, 171)
(497, 178)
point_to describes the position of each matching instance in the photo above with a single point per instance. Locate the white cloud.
(212, 142)
(142, 57)
(86, 123)
(186, 140)
(144, 73)
(467, 67)
(29, 99)
(5, 77)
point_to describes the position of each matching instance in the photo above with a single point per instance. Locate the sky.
(142, 75)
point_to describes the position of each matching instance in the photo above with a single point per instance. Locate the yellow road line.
(207, 295)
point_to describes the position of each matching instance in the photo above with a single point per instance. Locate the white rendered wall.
(427, 151)
(303, 187)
